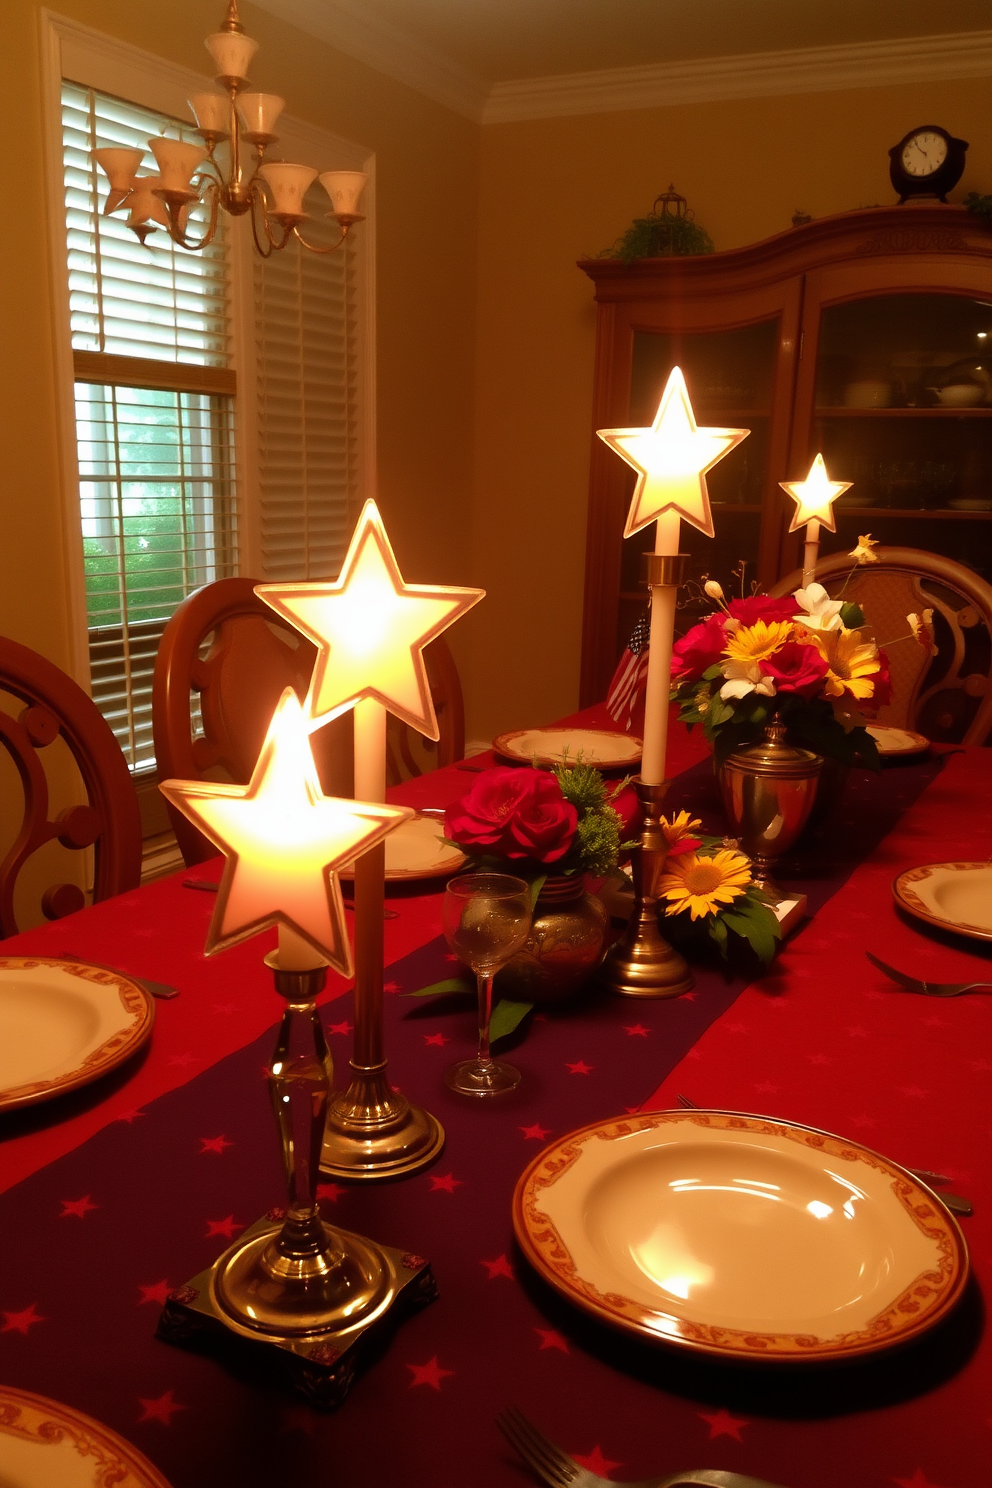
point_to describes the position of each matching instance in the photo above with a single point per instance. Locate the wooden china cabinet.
(863, 336)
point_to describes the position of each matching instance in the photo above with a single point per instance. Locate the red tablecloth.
(822, 1039)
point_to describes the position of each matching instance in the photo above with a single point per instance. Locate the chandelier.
(269, 192)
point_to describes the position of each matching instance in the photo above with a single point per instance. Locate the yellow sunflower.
(851, 663)
(754, 642)
(680, 826)
(701, 885)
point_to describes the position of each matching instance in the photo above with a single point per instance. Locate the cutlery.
(928, 989)
(555, 1467)
(956, 1203)
(210, 887)
(154, 989)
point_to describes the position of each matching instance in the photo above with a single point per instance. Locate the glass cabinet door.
(730, 376)
(903, 409)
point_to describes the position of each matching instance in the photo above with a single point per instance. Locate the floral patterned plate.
(47, 1445)
(64, 1024)
(549, 746)
(893, 742)
(417, 850)
(954, 896)
(739, 1236)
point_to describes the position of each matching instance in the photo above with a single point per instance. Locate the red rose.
(762, 607)
(795, 668)
(883, 684)
(698, 649)
(514, 813)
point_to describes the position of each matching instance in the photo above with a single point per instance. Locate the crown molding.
(353, 29)
(917, 59)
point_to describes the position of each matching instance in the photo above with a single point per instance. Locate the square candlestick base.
(319, 1367)
(789, 910)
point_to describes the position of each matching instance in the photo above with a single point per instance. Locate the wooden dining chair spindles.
(947, 696)
(42, 704)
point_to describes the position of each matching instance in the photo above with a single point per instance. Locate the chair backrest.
(947, 697)
(409, 753)
(109, 821)
(227, 646)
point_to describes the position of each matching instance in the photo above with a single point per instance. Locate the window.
(150, 331)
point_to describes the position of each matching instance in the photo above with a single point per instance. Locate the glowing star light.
(671, 459)
(371, 629)
(815, 496)
(284, 841)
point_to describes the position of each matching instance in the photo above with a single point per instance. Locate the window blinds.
(306, 309)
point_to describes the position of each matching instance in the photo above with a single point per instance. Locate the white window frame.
(71, 50)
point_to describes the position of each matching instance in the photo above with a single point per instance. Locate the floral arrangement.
(563, 821)
(803, 659)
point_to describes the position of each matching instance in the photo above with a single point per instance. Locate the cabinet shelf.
(914, 413)
(916, 512)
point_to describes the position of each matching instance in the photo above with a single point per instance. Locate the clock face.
(924, 153)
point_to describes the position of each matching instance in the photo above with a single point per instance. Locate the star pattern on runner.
(184, 1060)
(594, 1461)
(343, 1028)
(536, 1133)
(446, 1182)
(370, 629)
(161, 1409)
(330, 1191)
(227, 1227)
(215, 1144)
(498, 1267)
(77, 1208)
(722, 1423)
(436, 1040)
(551, 1339)
(580, 1067)
(22, 1322)
(430, 1374)
(158, 1292)
(765, 1087)
(918, 1480)
(635, 1030)
(130, 1116)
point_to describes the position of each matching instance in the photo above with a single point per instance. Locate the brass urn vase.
(768, 792)
(564, 948)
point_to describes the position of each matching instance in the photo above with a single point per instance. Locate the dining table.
(113, 1195)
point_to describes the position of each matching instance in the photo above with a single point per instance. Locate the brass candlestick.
(292, 1281)
(642, 963)
(372, 1132)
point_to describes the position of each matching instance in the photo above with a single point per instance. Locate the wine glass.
(486, 920)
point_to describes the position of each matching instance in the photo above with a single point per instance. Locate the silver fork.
(957, 1203)
(927, 989)
(555, 1467)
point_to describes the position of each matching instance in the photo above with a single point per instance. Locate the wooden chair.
(223, 662)
(109, 822)
(947, 697)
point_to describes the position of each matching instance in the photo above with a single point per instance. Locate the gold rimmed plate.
(953, 896)
(603, 748)
(895, 743)
(417, 849)
(738, 1236)
(64, 1024)
(44, 1443)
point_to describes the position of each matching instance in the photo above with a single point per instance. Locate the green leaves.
(852, 616)
(751, 919)
(437, 989)
(507, 1016)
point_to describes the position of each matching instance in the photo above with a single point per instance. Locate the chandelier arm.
(177, 234)
(313, 248)
(267, 248)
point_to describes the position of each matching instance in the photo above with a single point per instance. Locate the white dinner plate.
(955, 896)
(739, 1236)
(417, 850)
(896, 741)
(550, 746)
(47, 1445)
(63, 1024)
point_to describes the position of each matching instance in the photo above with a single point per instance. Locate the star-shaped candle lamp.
(814, 498)
(284, 841)
(370, 629)
(671, 459)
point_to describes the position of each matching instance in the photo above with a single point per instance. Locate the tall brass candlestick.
(372, 1131)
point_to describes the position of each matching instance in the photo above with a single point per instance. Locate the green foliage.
(663, 236)
(582, 785)
(810, 723)
(507, 1015)
(852, 616)
(980, 207)
(438, 989)
(749, 921)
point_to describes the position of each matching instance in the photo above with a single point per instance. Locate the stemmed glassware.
(486, 921)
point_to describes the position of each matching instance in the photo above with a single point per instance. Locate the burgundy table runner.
(93, 1241)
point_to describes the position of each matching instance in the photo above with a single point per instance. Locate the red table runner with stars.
(95, 1238)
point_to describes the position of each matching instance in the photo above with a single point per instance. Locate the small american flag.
(625, 697)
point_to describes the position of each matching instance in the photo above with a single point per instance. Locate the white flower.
(713, 589)
(744, 677)
(822, 612)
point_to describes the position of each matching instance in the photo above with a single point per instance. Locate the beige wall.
(556, 190)
(427, 162)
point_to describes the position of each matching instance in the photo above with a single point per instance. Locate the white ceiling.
(466, 52)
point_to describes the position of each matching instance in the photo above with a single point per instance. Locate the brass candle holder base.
(316, 1352)
(292, 1282)
(374, 1133)
(642, 963)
